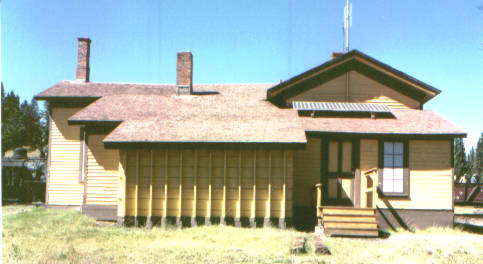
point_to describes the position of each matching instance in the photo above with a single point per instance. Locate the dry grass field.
(38, 235)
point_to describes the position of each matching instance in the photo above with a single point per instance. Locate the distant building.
(23, 178)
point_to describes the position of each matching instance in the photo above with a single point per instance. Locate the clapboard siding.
(306, 173)
(231, 177)
(64, 170)
(429, 170)
(102, 172)
(361, 90)
(430, 176)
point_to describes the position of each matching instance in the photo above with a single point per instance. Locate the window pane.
(332, 188)
(388, 174)
(388, 148)
(388, 161)
(398, 161)
(346, 188)
(398, 186)
(387, 186)
(398, 148)
(346, 156)
(333, 156)
(398, 174)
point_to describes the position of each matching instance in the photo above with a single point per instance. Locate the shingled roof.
(406, 122)
(221, 113)
(230, 116)
(224, 113)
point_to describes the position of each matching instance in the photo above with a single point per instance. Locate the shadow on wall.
(392, 213)
(304, 218)
(106, 158)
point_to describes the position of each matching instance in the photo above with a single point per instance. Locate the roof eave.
(65, 98)
(430, 90)
(93, 122)
(416, 135)
(108, 144)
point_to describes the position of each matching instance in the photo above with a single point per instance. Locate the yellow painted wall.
(64, 170)
(362, 90)
(102, 172)
(430, 174)
(219, 168)
(306, 173)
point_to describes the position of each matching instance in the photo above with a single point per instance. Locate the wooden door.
(340, 158)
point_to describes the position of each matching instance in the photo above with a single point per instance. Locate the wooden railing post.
(318, 209)
(369, 189)
(375, 196)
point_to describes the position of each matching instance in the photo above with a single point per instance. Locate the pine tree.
(11, 124)
(44, 127)
(470, 163)
(479, 158)
(460, 164)
(30, 119)
(22, 124)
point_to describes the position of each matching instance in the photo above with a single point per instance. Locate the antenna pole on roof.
(347, 22)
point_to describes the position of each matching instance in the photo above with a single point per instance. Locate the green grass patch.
(39, 235)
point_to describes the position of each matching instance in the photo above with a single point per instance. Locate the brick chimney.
(184, 73)
(83, 53)
(337, 54)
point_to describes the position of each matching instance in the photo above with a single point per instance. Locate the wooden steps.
(352, 232)
(348, 221)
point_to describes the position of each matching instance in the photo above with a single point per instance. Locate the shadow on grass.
(470, 228)
(384, 234)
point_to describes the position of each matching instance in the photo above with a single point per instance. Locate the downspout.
(84, 165)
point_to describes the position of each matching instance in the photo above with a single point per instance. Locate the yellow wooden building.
(347, 143)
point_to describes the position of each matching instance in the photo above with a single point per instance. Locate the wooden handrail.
(367, 189)
(370, 171)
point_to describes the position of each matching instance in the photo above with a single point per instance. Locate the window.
(393, 167)
(394, 172)
(83, 156)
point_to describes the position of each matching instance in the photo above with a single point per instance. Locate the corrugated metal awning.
(340, 107)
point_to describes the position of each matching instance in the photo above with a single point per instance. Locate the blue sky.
(438, 42)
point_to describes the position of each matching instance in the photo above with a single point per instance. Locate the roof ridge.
(127, 83)
(172, 84)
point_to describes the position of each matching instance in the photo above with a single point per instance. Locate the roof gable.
(353, 61)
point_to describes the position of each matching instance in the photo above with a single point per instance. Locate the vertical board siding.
(64, 187)
(238, 171)
(231, 182)
(143, 181)
(203, 182)
(306, 173)
(159, 180)
(362, 90)
(102, 172)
